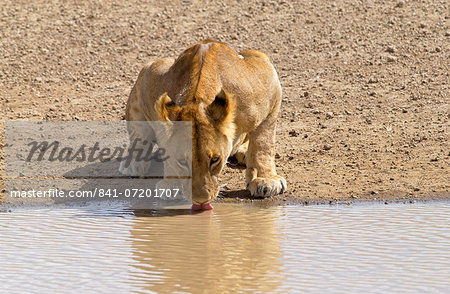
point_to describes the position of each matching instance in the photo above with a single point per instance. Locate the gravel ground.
(365, 112)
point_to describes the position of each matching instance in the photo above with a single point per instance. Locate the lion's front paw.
(240, 157)
(241, 154)
(266, 187)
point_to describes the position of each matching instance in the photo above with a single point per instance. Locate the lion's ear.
(221, 109)
(166, 109)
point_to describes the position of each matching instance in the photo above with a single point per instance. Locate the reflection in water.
(225, 250)
(235, 248)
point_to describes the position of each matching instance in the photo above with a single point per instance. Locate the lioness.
(232, 101)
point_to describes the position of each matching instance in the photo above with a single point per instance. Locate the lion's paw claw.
(266, 187)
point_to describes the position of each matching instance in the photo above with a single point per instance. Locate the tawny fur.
(233, 102)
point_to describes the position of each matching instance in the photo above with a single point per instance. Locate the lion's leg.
(140, 135)
(139, 114)
(261, 176)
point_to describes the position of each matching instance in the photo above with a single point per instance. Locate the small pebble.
(400, 4)
(327, 147)
(390, 49)
(391, 58)
(293, 133)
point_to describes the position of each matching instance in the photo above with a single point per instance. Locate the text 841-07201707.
(138, 193)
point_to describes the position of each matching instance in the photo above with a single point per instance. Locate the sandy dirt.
(365, 112)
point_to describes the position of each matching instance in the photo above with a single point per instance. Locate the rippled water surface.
(235, 248)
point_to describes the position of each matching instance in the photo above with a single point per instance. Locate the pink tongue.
(205, 206)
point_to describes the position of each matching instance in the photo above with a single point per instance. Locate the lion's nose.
(201, 200)
(202, 196)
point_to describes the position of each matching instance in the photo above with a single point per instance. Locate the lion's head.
(212, 141)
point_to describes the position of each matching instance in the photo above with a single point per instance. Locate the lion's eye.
(214, 160)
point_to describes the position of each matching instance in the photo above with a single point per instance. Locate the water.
(402, 248)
